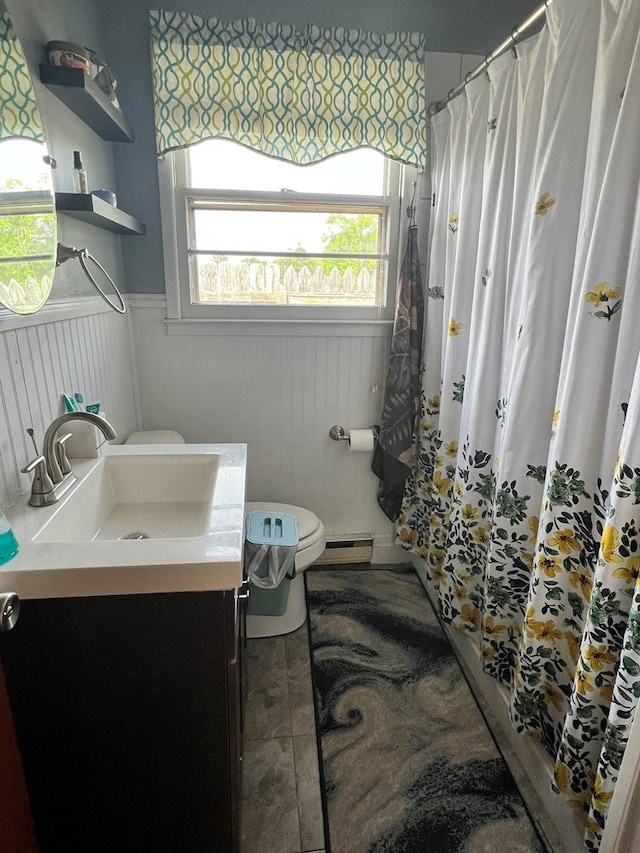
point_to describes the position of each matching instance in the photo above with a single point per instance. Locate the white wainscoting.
(279, 394)
(40, 359)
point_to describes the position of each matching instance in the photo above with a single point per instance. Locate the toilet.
(311, 544)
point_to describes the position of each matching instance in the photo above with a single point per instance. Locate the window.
(250, 236)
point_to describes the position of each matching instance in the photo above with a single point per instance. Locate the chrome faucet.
(52, 472)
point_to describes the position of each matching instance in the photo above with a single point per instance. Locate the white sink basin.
(188, 499)
(165, 496)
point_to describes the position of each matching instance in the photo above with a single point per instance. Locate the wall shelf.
(95, 211)
(86, 99)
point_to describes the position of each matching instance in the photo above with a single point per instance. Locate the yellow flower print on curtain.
(454, 328)
(609, 545)
(544, 204)
(565, 541)
(606, 296)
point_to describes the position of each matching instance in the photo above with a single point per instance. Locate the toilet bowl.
(311, 544)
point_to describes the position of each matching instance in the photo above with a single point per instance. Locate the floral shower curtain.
(525, 503)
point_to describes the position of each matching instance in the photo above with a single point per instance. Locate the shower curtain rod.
(490, 57)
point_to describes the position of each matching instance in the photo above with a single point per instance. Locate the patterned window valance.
(19, 115)
(300, 95)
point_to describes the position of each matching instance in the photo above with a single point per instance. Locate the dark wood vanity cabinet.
(128, 714)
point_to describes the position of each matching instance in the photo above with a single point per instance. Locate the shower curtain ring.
(515, 32)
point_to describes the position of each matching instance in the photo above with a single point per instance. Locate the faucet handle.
(41, 484)
(30, 466)
(61, 454)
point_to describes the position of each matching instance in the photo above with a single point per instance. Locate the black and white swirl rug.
(408, 763)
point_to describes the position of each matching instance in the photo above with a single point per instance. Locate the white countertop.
(209, 562)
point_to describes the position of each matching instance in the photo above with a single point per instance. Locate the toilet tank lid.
(155, 436)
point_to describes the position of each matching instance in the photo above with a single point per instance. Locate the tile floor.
(281, 805)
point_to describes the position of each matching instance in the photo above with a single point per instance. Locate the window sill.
(252, 327)
(282, 328)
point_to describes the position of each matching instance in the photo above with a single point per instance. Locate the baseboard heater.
(347, 549)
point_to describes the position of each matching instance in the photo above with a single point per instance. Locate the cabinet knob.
(9, 611)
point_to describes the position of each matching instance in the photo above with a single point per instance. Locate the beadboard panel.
(280, 395)
(91, 354)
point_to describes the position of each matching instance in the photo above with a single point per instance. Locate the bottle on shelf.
(8, 543)
(80, 183)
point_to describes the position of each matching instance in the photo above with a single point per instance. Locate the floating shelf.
(95, 211)
(86, 99)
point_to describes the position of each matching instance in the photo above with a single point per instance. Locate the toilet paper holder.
(338, 433)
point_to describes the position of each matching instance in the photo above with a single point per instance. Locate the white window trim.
(184, 318)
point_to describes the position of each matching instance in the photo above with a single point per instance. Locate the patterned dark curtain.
(394, 452)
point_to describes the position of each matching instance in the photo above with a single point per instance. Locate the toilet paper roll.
(361, 440)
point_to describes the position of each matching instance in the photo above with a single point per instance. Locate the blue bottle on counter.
(8, 543)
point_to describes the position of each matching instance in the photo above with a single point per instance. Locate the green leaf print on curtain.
(570, 529)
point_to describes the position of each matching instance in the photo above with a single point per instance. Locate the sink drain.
(135, 535)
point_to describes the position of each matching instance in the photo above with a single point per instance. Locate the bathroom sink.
(187, 499)
(137, 497)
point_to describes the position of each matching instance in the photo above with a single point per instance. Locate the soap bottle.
(80, 184)
(8, 543)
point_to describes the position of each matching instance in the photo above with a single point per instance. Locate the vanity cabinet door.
(122, 708)
(236, 626)
(16, 826)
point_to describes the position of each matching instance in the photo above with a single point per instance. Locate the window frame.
(174, 195)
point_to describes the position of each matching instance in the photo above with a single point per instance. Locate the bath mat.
(408, 763)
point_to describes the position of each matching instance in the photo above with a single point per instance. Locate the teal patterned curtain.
(297, 95)
(19, 115)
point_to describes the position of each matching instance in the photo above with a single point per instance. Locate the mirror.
(27, 203)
